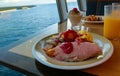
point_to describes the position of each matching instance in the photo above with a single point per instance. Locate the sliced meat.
(80, 52)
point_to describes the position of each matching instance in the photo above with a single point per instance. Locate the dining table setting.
(56, 50)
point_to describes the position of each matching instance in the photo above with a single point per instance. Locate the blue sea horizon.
(17, 25)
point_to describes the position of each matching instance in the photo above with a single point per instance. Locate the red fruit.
(67, 47)
(75, 10)
(70, 35)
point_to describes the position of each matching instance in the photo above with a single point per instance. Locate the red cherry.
(75, 10)
(67, 47)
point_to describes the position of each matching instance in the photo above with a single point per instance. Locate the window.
(18, 22)
(72, 4)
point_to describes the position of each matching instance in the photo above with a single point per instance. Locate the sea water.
(19, 24)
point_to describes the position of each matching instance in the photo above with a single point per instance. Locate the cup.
(112, 22)
(78, 28)
(74, 19)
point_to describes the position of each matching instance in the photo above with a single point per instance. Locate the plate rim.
(73, 67)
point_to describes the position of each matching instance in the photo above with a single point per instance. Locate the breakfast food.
(93, 18)
(74, 51)
(75, 16)
(72, 46)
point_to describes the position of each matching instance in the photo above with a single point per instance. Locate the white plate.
(105, 44)
(96, 22)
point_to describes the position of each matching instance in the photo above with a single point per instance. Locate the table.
(18, 56)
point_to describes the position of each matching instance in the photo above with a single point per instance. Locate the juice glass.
(112, 21)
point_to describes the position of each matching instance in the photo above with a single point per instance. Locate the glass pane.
(20, 22)
(17, 24)
(72, 4)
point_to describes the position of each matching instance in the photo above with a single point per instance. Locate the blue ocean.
(17, 25)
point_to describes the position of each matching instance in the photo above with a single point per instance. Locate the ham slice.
(80, 52)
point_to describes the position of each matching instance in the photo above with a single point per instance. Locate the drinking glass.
(78, 28)
(75, 19)
(112, 22)
(83, 17)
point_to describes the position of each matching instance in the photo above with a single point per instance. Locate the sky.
(39, 1)
(6, 3)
